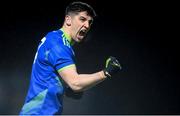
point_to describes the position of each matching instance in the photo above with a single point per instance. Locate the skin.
(73, 25)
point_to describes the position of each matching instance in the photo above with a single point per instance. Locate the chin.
(79, 40)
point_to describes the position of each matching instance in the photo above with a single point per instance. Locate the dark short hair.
(76, 7)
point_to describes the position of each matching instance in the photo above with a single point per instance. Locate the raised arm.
(80, 82)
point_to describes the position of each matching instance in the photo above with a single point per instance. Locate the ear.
(68, 20)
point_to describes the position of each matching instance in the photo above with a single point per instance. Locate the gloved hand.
(112, 66)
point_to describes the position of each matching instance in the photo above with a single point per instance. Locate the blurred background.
(142, 35)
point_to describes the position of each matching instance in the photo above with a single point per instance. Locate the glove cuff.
(106, 73)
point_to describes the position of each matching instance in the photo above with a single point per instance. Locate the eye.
(82, 19)
(90, 22)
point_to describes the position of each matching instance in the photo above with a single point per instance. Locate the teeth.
(84, 31)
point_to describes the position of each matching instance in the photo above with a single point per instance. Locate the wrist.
(102, 75)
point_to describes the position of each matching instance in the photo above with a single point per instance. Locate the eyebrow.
(82, 17)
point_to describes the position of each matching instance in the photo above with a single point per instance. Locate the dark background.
(142, 35)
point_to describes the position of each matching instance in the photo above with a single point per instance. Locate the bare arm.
(80, 82)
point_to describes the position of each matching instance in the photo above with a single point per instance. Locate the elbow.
(77, 89)
(76, 86)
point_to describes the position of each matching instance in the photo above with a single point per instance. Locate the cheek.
(76, 24)
(76, 27)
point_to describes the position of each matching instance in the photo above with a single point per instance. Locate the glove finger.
(112, 58)
(116, 62)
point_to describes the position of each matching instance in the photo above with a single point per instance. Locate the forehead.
(85, 15)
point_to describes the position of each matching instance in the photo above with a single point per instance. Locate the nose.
(86, 24)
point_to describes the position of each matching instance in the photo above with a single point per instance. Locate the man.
(54, 65)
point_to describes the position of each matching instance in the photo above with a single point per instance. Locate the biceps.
(69, 74)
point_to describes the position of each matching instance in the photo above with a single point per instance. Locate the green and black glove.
(112, 66)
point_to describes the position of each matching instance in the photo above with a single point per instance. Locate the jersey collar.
(67, 36)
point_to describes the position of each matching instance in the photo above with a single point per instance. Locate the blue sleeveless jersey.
(46, 89)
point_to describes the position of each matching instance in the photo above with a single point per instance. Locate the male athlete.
(54, 65)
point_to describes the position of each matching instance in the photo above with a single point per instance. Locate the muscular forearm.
(86, 81)
(80, 82)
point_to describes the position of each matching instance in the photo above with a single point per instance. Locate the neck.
(67, 35)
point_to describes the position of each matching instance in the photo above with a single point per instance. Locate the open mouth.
(82, 32)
